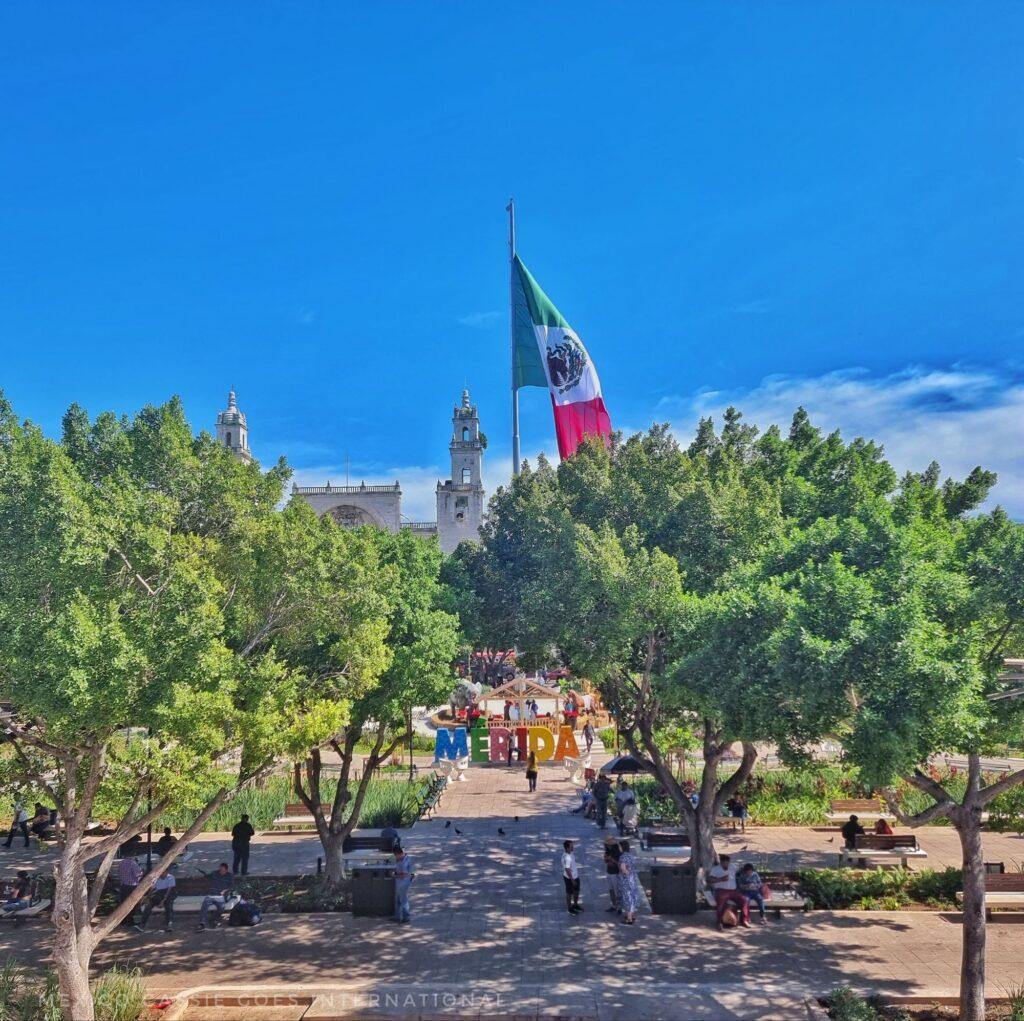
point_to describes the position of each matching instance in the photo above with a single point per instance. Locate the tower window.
(467, 476)
(228, 440)
(465, 434)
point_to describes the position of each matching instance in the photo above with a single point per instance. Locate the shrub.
(119, 994)
(935, 888)
(846, 1005)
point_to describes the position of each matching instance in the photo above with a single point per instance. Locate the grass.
(27, 995)
(387, 802)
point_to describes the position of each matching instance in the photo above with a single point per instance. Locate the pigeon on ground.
(501, 832)
(447, 824)
(457, 830)
(517, 818)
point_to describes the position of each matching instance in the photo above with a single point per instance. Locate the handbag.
(766, 891)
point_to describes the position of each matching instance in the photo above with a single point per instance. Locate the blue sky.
(764, 203)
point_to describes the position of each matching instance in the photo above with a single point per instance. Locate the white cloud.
(478, 320)
(958, 416)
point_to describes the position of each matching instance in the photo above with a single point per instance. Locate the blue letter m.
(448, 746)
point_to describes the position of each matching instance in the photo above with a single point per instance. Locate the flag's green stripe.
(542, 311)
(527, 300)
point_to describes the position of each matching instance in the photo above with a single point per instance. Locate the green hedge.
(879, 889)
(387, 802)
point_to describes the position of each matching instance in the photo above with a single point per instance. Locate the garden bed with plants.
(801, 797)
(388, 802)
(844, 1004)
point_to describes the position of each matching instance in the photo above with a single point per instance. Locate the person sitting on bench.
(20, 894)
(882, 828)
(851, 831)
(748, 882)
(165, 843)
(164, 890)
(40, 824)
(722, 878)
(217, 898)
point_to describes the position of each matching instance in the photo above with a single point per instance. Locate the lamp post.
(412, 767)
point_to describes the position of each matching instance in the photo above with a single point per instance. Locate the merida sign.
(491, 745)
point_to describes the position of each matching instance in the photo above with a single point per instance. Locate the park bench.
(1002, 890)
(429, 795)
(298, 817)
(664, 838)
(863, 808)
(35, 907)
(365, 842)
(881, 848)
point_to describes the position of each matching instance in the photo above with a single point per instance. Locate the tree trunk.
(334, 865)
(972, 965)
(73, 943)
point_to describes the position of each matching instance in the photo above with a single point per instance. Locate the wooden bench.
(882, 848)
(863, 808)
(1002, 890)
(365, 842)
(663, 838)
(299, 817)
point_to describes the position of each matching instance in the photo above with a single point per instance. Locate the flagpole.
(511, 210)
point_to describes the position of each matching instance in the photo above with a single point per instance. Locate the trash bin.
(674, 889)
(373, 892)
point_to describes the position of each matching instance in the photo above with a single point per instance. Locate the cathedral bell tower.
(460, 500)
(232, 430)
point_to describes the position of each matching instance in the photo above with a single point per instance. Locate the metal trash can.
(674, 889)
(373, 892)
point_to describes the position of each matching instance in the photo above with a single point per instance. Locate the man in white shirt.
(571, 877)
(722, 878)
(164, 890)
(20, 823)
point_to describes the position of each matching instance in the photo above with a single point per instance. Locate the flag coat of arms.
(547, 352)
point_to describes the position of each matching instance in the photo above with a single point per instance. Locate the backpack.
(729, 917)
(244, 913)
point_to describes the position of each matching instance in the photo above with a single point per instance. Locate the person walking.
(571, 878)
(589, 734)
(241, 837)
(164, 891)
(129, 873)
(629, 883)
(531, 770)
(405, 873)
(20, 823)
(612, 853)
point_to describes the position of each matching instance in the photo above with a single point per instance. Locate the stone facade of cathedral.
(460, 499)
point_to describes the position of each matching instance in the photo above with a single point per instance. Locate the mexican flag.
(547, 352)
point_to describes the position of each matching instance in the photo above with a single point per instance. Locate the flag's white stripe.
(550, 339)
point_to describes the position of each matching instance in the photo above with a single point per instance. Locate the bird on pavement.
(501, 832)
(447, 824)
(517, 818)
(457, 830)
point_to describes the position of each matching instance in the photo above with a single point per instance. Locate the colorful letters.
(492, 745)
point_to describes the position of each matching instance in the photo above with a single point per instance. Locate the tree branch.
(1001, 786)
(138, 577)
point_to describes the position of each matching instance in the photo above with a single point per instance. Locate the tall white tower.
(460, 500)
(232, 430)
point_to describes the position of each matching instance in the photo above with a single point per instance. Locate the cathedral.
(460, 499)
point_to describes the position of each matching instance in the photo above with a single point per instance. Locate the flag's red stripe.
(574, 422)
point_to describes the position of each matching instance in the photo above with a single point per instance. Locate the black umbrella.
(623, 765)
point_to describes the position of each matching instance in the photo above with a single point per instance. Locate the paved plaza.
(490, 935)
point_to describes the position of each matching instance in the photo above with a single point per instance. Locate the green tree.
(129, 682)
(419, 642)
